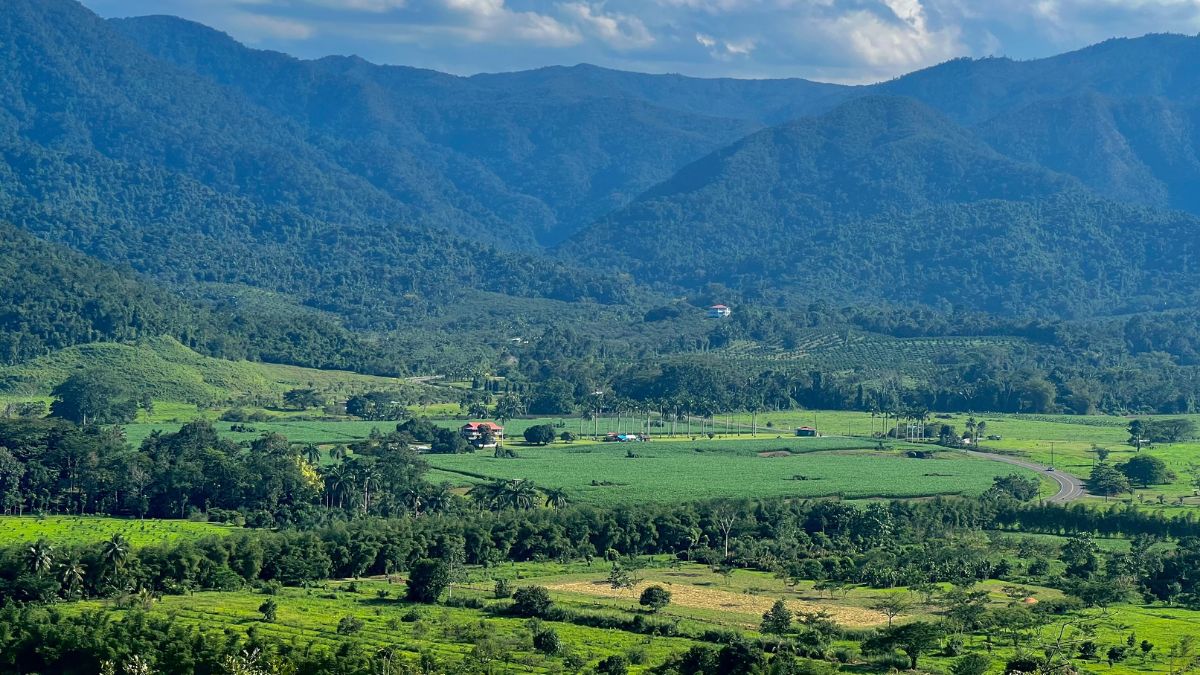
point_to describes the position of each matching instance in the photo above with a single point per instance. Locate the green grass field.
(170, 372)
(668, 471)
(701, 600)
(82, 530)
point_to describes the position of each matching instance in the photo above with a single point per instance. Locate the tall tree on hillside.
(93, 397)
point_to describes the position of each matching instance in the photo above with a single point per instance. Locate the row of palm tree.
(518, 494)
(40, 557)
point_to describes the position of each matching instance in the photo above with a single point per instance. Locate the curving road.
(1070, 488)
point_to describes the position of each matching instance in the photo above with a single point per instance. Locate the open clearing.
(697, 597)
(675, 471)
(82, 530)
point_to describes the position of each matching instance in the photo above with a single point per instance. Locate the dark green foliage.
(1162, 431)
(971, 664)
(531, 601)
(349, 625)
(540, 434)
(840, 209)
(1017, 486)
(655, 598)
(1146, 470)
(93, 397)
(778, 619)
(914, 639)
(1107, 481)
(427, 580)
(613, 665)
(546, 641)
(269, 609)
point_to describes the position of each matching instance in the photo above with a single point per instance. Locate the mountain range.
(378, 197)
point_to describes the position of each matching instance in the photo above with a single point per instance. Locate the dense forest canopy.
(334, 213)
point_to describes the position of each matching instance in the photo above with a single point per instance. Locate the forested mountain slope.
(133, 160)
(884, 199)
(1122, 115)
(529, 156)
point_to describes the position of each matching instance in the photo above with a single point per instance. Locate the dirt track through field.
(697, 597)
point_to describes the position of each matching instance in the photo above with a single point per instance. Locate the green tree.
(302, 399)
(1107, 481)
(556, 498)
(427, 580)
(655, 598)
(269, 609)
(39, 556)
(531, 601)
(778, 619)
(540, 434)
(914, 639)
(891, 605)
(94, 397)
(971, 664)
(1146, 470)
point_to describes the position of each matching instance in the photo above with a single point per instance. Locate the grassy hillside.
(169, 371)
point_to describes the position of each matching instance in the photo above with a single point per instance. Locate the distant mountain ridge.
(885, 200)
(386, 195)
(132, 160)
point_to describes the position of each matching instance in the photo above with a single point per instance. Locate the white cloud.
(895, 39)
(257, 27)
(374, 6)
(842, 40)
(725, 49)
(620, 31)
(494, 21)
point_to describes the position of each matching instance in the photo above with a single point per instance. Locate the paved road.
(1070, 488)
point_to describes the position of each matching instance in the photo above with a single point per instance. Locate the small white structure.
(719, 312)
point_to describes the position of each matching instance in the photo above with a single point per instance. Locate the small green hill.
(169, 371)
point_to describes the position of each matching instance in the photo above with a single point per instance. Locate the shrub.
(971, 664)
(655, 598)
(502, 589)
(349, 625)
(269, 610)
(531, 601)
(546, 641)
(613, 665)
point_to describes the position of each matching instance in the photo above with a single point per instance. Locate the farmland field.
(702, 600)
(80, 530)
(668, 471)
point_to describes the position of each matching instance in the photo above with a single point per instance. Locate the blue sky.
(831, 40)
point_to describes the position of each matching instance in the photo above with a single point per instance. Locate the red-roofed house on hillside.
(719, 312)
(483, 434)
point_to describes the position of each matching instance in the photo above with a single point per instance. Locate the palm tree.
(487, 495)
(980, 430)
(73, 573)
(340, 482)
(439, 499)
(39, 557)
(556, 498)
(520, 494)
(312, 453)
(114, 552)
(337, 453)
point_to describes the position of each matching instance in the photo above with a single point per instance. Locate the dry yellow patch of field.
(687, 595)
